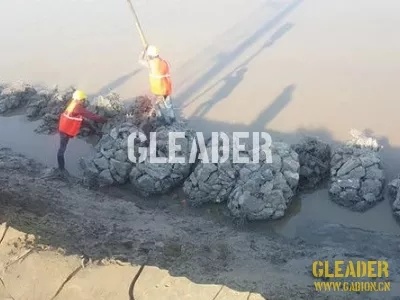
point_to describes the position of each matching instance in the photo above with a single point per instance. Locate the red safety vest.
(68, 124)
(160, 81)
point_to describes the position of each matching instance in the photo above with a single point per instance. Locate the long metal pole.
(139, 28)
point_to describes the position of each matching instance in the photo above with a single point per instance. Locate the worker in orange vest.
(159, 76)
(71, 121)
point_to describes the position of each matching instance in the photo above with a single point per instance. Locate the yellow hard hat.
(79, 95)
(152, 51)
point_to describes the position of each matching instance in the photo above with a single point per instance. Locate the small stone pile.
(357, 178)
(394, 196)
(264, 191)
(314, 158)
(157, 178)
(14, 96)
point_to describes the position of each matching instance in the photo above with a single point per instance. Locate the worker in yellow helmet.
(71, 121)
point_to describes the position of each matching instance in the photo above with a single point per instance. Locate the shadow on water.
(233, 79)
(112, 86)
(224, 59)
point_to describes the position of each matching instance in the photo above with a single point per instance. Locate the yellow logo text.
(342, 269)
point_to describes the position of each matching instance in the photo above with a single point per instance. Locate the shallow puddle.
(317, 207)
(17, 133)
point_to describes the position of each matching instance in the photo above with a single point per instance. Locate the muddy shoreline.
(184, 242)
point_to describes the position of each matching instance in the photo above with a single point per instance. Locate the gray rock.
(393, 188)
(107, 153)
(105, 178)
(394, 197)
(101, 163)
(335, 189)
(373, 172)
(90, 173)
(348, 166)
(358, 172)
(121, 155)
(290, 165)
(370, 198)
(372, 186)
(292, 178)
(114, 133)
(276, 162)
(349, 183)
(369, 160)
(121, 168)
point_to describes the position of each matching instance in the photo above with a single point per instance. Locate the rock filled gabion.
(314, 158)
(150, 178)
(15, 96)
(394, 196)
(211, 182)
(264, 190)
(110, 165)
(357, 178)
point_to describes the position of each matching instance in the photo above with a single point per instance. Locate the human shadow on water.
(227, 58)
(260, 123)
(229, 83)
(110, 87)
(234, 78)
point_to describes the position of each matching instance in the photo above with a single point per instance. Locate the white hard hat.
(152, 51)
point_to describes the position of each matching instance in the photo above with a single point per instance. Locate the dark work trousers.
(64, 139)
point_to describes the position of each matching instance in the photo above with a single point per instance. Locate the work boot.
(56, 173)
(52, 173)
(64, 173)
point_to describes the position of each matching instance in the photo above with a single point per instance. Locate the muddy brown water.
(18, 133)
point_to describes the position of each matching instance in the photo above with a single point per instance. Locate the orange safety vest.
(160, 80)
(70, 125)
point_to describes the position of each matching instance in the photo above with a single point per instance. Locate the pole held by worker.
(159, 74)
(137, 23)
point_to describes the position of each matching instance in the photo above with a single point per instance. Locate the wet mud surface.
(108, 225)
